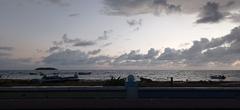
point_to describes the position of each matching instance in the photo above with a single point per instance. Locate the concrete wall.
(116, 92)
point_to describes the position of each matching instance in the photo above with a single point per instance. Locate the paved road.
(115, 97)
(117, 103)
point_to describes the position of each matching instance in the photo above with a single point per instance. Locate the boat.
(54, 78)
(84, 73)
(42, 74)
(218, 77)
(71, 78)
(33, 74)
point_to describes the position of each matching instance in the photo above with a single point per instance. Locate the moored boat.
(218, 77)
(84, 73)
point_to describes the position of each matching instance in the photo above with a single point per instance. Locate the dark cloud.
(105, 36)
(136, 58)
(77, 42)
(65, 39)
(17, 63)
(4, 48)
(5, 51)
(195, 6)
(210, 13)
(57, 43)
(170, 54)
(134, 22)
(106, 44)
(62, 3)
(230, 3)
(74, 14)
(4, 54)
(84, 43)
(74, 57)
(135, 7)
(94, 52)
(54, 48)
(66, 57)
(57, 2)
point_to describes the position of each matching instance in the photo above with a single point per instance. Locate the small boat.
(54, 78)
(84, 73)
(42, 74)
(33, 74)
(71, 78)
(218, 77)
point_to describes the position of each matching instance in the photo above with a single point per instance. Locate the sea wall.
(118, 92)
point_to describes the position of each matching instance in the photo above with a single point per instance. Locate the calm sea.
(157, 75)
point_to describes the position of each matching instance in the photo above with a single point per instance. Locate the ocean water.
(156, 75)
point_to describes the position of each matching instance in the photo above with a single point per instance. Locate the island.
(46, 68)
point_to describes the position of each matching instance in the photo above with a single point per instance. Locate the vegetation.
(115, 81)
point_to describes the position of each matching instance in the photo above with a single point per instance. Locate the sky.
(120, 34)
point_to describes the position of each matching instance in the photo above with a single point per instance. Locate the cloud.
(170, 54)
(230, 3)
(84, 43)
(74, 57)
(76, 42)
(15, 63)
(5, 51)
(62, 3)
(4, 48)
(210, 13)
(195, 6)
(4, 54)
(136, 7)
(107, 44)
(235, 17)
(217, 52)
(134, 22)
(223, 50)
(74, 14)
(94, 52)
(105, 35)
(136, 58)
(54, 48)
(57, 2)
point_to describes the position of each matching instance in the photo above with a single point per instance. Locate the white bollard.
(131, 87)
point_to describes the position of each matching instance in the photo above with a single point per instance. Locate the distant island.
(46, 68)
